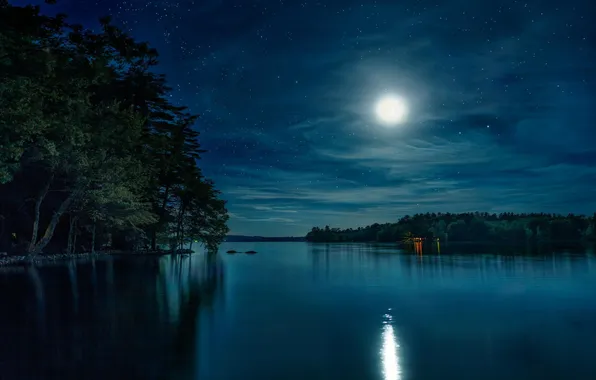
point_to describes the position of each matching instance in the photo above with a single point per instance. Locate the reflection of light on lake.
(390, 351)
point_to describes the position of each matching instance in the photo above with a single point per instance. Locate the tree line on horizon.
(468, 227)
(92, 151)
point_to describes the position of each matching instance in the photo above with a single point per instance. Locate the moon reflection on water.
(390, 351)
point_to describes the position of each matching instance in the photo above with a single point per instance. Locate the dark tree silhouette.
(86, 130)
(481, 227)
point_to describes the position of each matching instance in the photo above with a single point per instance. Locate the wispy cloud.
(273, 209)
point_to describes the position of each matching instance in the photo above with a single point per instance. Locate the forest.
(93, 155)
(468, 227)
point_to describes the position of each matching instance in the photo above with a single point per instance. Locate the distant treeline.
(477, 226)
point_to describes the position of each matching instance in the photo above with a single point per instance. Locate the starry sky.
(501, 97)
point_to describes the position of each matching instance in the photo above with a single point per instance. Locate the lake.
(304, 311)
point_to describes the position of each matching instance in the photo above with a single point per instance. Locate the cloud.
(273, 209)
(236, 216)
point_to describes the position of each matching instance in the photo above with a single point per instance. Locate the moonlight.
(391, 110)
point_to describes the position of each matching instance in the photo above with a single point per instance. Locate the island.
(468, 227)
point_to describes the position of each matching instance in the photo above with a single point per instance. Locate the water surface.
(315, 311)
(299, 311)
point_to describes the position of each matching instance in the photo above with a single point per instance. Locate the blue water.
(300, 311)
(295, 311)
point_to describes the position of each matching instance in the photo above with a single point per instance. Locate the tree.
(86, 129)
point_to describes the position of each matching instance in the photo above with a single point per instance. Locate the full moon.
(391, 110)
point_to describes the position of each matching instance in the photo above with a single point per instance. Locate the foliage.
(505, 227)
(86, 129)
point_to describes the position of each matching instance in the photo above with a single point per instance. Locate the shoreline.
(24, 260)
(469, 242)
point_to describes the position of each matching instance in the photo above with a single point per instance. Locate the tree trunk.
(49, 232)
(74, 237)
(182, 232)
(182, 237)
(71, 239)
(4, 246)
(161, 215)
(93, 239)
(177, 233)
(38, 202)
(154, 237)
(179, 226)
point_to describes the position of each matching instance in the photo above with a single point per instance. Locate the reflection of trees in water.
(348, 261)
(184, 343)
(112, 317)
(336, 261)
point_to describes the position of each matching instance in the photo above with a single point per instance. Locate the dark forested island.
(93, 154)
(468, 227)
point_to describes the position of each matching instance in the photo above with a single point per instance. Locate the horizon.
(499, 105)
(586, 215)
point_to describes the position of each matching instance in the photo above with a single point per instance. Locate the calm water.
(299, 311)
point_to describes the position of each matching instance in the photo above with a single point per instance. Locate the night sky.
(501, 100)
